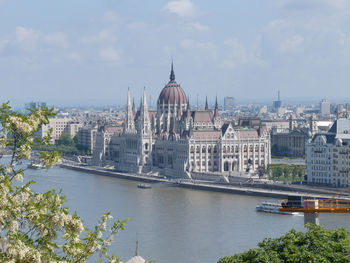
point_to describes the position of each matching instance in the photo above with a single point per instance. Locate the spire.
(216, 110)
(172, 75)
(129, 125)
(137, 248)
(188, 101)
(206, 103)
(133, 105)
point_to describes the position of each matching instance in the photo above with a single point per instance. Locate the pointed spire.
(216, 110)
(188, 101)
(206, 103)
(172, 75)
(129, 125)
(133, 105)
(137, 248)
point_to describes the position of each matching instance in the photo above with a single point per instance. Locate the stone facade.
(175, 140)
(327, 156)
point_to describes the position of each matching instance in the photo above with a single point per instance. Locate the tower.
(144, 137)
(129, 125)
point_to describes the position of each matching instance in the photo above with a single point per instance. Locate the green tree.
(65, 139)
(316, 245)
(37, 227)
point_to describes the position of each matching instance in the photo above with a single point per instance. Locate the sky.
(78, 52)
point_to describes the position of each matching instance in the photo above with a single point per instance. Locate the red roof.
(172, 93)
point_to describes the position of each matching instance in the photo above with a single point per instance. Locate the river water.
(173, 225)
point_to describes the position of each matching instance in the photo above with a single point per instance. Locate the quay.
(199, 185)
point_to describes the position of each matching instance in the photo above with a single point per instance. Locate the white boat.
(36, 165)
(272, 207)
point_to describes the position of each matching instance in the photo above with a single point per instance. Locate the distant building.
(229, 103)
(277, 103)
(35, 104)
(325, 108)
(59, 126)
(87, 136)
(327, 156)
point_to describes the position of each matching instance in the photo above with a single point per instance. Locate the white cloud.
(198, 26)
(27, 37)
(235, 54)
(189, 44)
(73, 56)
(104, 36)
(111, 17)
(292, 44)
(137, 25)
(56, 39)
(3, 44)
(183, 8)
(109, 54)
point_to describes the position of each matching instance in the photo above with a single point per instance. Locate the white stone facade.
(176, 141)
(328, 156)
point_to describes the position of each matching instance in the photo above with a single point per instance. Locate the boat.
(144, 186)
(36, 165)
(272, 207)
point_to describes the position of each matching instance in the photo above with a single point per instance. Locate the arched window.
(224, 149)
(203, 149)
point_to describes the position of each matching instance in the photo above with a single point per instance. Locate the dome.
(172, 93)
(136, 259)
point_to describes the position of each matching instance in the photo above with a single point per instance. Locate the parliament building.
(176, 140)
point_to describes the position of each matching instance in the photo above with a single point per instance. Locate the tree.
(65, 139)
(37, 227)
(316, 245)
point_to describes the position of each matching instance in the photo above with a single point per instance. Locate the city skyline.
(89, 53)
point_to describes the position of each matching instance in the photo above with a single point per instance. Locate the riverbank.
(275, 192)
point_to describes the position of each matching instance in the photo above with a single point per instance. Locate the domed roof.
(172, 93)
(136, 259)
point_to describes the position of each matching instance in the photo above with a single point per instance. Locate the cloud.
(189, 44)
(73, 56)
(235, 54)
(27, 37)
(104, 36)
(292, 44)
(3, 44)
(182, 8)
(56, 39)
(198, 26)
(109, 54)
(111, 17)
(137, 25)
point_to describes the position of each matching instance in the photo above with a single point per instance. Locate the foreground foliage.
(37, 227)
(316, 245)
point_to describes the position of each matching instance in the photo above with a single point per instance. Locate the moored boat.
(144, 186)
(272, 207)
(36, 165)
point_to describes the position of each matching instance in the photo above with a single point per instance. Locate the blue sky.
(88, 52)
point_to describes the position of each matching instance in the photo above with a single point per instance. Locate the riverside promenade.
(201, 185)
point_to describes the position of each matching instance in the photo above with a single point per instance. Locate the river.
(173, 225)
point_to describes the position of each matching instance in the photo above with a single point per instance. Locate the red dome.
(172, 93)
